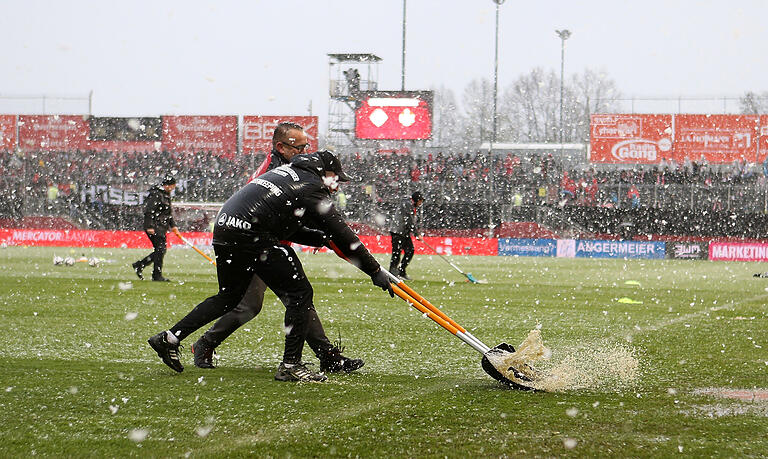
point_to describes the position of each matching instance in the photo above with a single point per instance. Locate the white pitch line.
(694, 315)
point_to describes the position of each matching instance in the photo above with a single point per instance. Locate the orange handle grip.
(195, 248)
(416, 304)
(203, 254)
(430, 306)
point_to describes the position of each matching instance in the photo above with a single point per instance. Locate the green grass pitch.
(77, 377)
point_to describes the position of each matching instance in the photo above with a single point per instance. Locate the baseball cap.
(331, 163)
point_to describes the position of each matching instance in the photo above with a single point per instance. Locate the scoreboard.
(394, 115)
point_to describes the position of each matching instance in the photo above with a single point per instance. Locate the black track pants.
(250, 306)
(400, 243)
(155, 258)
(280, 269)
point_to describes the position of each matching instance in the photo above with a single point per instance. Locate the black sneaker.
(298, 372)
(167, 351)
(403, 275)
(333, 362)
(204, 352)
(138, 269)
(160, 279)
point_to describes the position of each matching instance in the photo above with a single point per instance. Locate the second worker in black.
(246, 240)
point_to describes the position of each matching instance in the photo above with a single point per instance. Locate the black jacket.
(157, 210)
(274, 159)
(278, 204)
(405, 219)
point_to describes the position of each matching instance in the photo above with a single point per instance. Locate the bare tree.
(478, 102)
(591, 92)
(448, 123)
(753, 104)
(530, 108)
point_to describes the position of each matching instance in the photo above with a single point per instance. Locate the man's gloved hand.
(381, 279)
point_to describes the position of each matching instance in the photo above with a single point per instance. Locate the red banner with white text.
(716, 138)
(257, 131)
(762, 142)
(651, 139)
(137, 239)
(7, 132)
(443, 245)
(633, 139)
(194, 134)
(53, 132)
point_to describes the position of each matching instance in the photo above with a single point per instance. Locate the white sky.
(148, 58)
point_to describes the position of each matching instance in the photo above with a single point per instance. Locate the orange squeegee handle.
(418, 305)
(430, 306)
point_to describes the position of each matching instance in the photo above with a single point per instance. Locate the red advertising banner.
(121, 146)
(53, 132)
(89, 238)
(716, 138)
(399, 115)
(738, 251)
(193, 134)
(257, 131)
(137, 239)
(443, 245)
(762, 143)
(631, 139)
(7, 132)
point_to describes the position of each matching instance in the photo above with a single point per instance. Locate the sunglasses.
(299, 148)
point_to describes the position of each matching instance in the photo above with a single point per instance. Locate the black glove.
(381, 279)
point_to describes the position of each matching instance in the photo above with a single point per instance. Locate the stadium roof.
(353, 57)
(532, 146)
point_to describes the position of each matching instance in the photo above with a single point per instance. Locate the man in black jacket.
(288, 140)
(158, 219)
(403, 224)
(246, 240)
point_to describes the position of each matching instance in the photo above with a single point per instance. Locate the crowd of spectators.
(537, 179)
(466, 177)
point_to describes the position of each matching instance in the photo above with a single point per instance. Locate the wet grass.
(78, 379)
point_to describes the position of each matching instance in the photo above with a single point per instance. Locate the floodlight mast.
(495, 114)
(402, 76)
(564, 35)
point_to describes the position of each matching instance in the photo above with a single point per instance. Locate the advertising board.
(53, 132)
(193, 134)
(527, 247)
(632, 139)
(394, 115)
(619, 249)
(716, 138)
(257, 131)
(7, 132)
(687, 250)
(738, 251)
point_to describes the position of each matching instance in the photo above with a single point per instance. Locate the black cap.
(331, 163)
(169, 180)
(417, 196)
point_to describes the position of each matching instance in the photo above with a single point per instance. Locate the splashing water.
(598, 365)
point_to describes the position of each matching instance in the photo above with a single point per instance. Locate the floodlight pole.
(564, 35)
(402, 67)
(495, 115)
